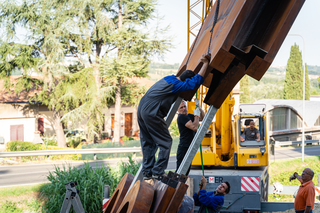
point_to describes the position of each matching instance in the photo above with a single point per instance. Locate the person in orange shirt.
(304, 201)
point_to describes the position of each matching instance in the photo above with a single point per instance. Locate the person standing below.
(153, 108)
(188, 125)
(210, 202)
(304, 201)
(251, 133)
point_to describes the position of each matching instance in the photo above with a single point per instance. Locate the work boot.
(147, 176)
(159, 177)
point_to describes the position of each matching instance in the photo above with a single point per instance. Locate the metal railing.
(70, 152)
(290, 143)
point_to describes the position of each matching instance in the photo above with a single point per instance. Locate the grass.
(281, 170)
(20, 199)
(283, 198)
(10, 206)
(18, 190)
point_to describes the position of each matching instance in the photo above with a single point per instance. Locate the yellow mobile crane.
(222, 145)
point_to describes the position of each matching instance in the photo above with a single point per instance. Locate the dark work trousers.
(180, 155)
(154, 133)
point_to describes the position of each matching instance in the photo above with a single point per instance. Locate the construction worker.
(212, 201)
(153, 108)
(251, 133)
(188, 125)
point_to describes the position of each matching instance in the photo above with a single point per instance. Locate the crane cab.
(251, 148)
(226, 145)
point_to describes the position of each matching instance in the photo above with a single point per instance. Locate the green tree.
(174, 129)
(266, 91)
(133, 48)
(293, 87)
(315, 86)
(244, 90)
(85, 51)
(307, 83)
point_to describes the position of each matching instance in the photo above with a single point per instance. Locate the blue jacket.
(159, 98)
(208, 199)
(188, 84)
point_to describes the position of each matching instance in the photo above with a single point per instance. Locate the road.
(285, 153)
(14, 175)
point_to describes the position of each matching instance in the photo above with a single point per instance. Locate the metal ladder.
(72, 198)
(195, 144)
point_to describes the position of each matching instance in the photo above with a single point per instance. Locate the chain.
(213, 24)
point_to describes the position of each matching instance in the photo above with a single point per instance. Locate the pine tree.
(244, 90)
(133, 50)
(293, 87)
(105, 41)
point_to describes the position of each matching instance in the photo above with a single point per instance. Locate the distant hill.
(275, 74)
(312, 70)
(160, 70)
(270, 86)
(276, 69)
(272, 83)
(163, 66)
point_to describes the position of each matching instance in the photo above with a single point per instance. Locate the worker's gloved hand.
(197, 101)
(196, 112)
(292, 177)
(204, 59)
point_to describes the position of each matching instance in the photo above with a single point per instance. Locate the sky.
(306, 25)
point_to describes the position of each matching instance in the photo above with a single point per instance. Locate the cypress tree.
(244, 90)
(307, 92)
(293, 85)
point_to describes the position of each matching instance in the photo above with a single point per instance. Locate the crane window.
(252, 132)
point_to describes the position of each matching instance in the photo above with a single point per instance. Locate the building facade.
(285, 119)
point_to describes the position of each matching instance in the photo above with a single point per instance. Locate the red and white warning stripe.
(250, 184)
(105, 203)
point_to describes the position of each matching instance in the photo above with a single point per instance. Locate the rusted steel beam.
(165, 190)
(245, 40)
(139, 199)
(119, 194)
(162, 197)
(177, 198)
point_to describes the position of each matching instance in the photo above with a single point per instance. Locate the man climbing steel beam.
(153, 107)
